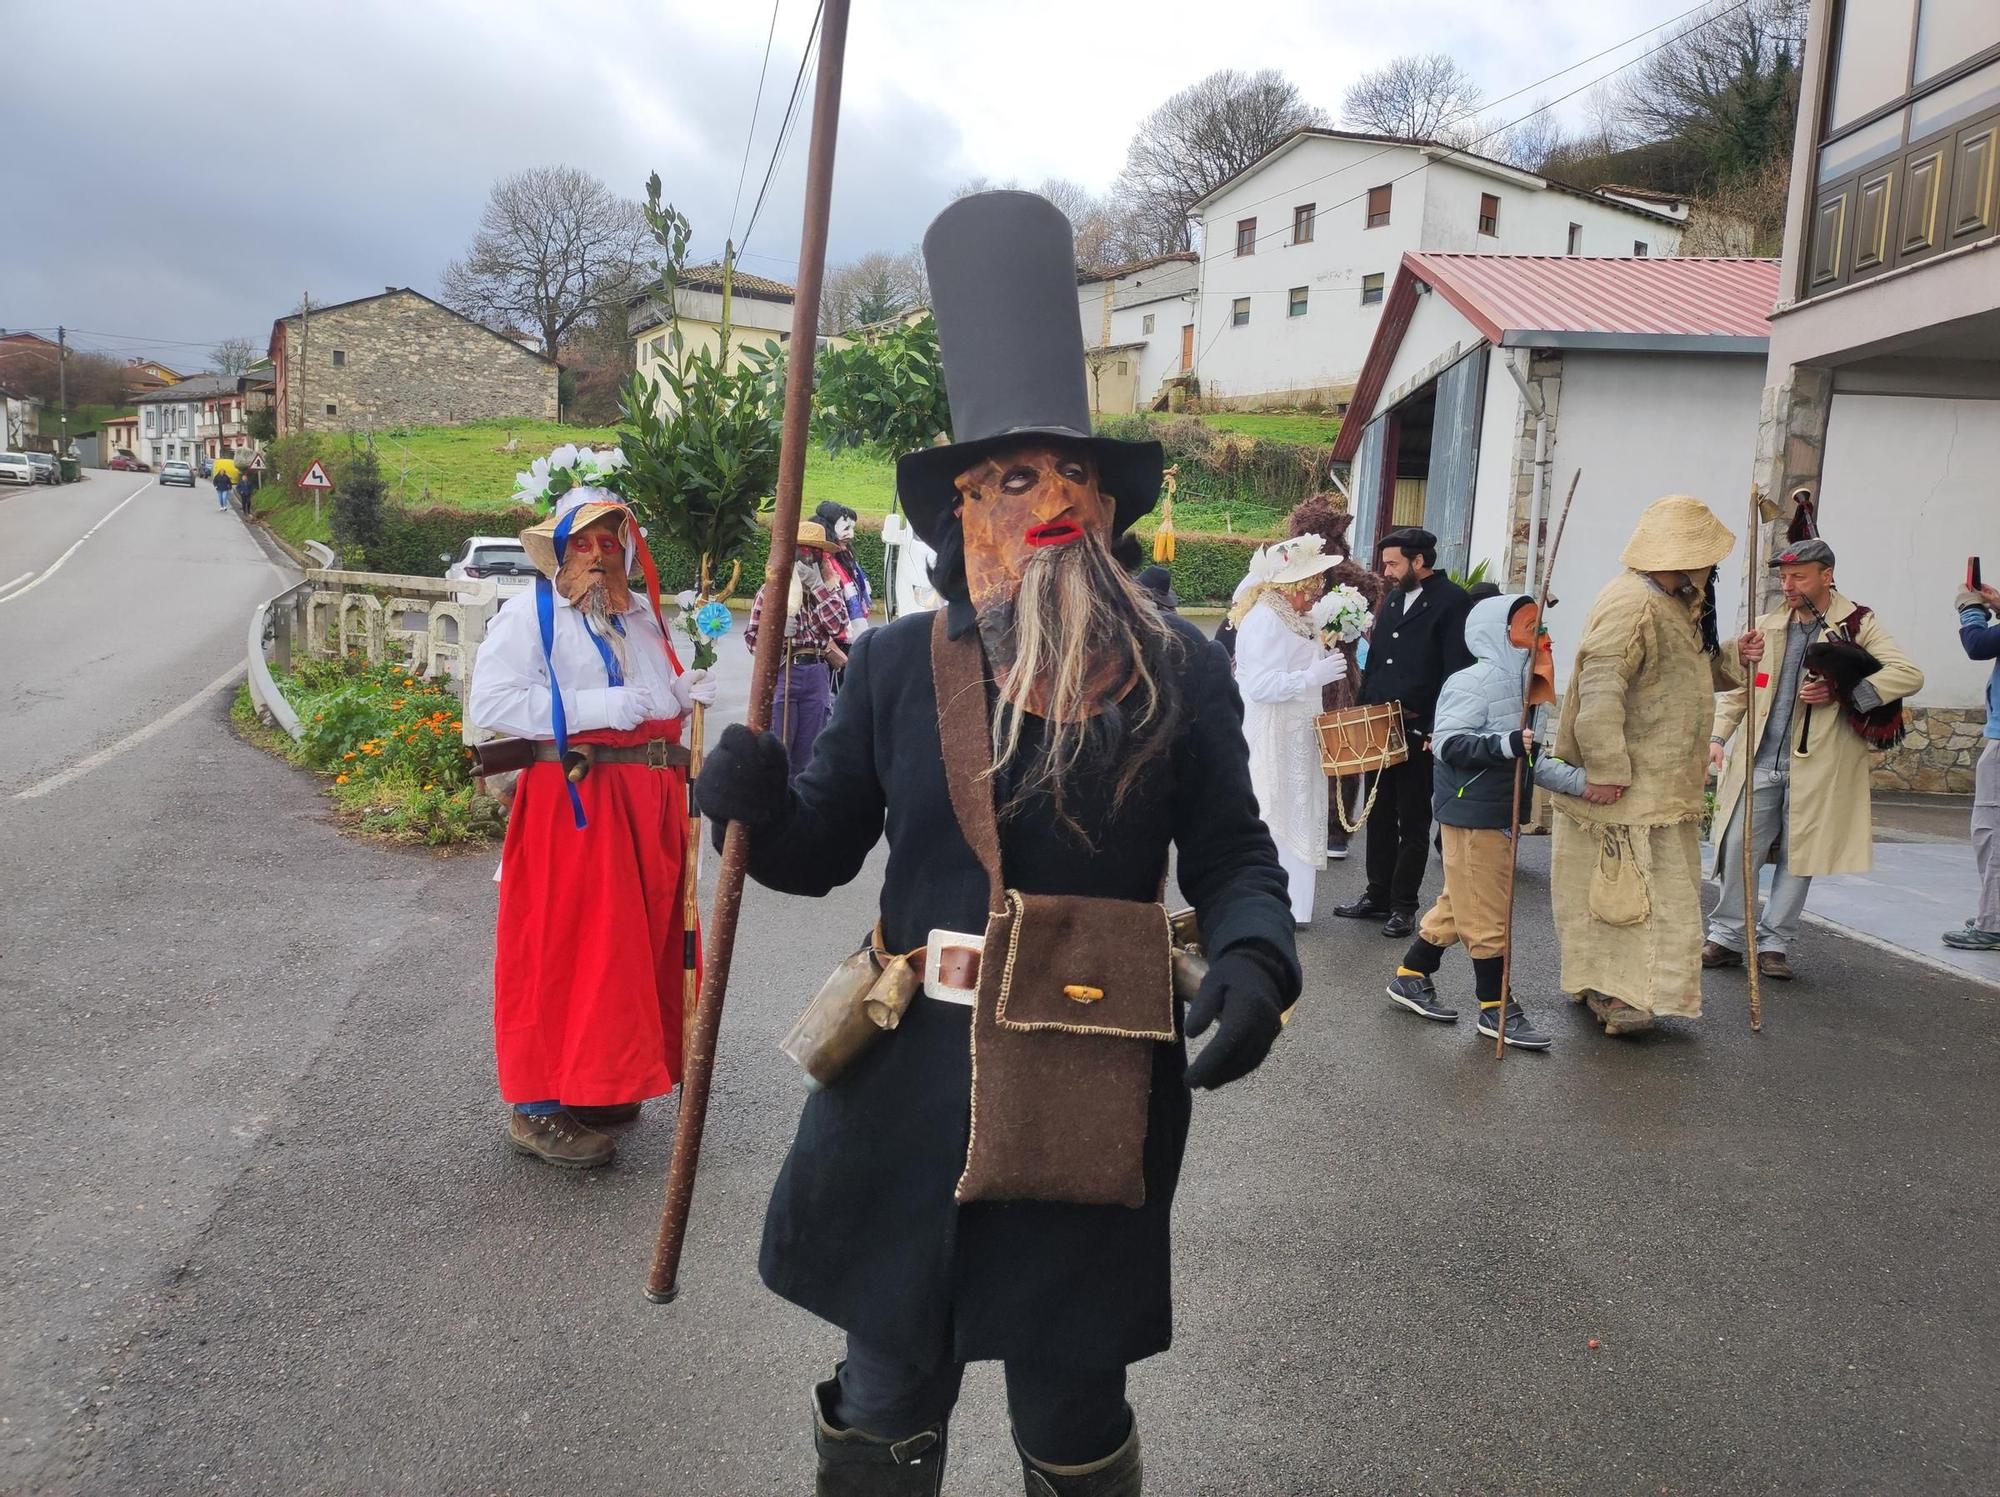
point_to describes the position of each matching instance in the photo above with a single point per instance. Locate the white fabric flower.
(564, 456)
(611, 461)
(687, 600)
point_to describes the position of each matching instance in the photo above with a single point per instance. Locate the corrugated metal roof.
(1647, 298)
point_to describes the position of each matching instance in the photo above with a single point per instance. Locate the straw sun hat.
(589, 505)
(1677, 534)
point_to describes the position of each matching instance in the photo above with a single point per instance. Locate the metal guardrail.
(277, 619)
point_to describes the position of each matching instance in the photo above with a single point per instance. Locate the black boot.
(1117, 1475)
(852, 1464)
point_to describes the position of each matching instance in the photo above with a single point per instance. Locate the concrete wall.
(408, 362)
(1910, 490)
(1493, 481)
(1641, 425)
(1435, 208)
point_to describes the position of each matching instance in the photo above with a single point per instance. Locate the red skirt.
(587, 964)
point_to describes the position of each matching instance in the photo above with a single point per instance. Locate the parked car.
(15, 468)
(497, 556)
(124, 462)
(47, 470)
(176, 473)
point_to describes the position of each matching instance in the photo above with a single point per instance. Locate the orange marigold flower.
(340, 779)
(347, 756)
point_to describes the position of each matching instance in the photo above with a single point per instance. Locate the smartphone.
(1972, 573)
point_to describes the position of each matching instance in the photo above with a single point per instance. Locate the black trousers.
(1064, 1416)
(1399, 834)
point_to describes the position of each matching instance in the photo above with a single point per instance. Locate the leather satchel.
(1074, 994)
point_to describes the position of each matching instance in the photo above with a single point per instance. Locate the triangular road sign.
(315, 477)
(256, 463)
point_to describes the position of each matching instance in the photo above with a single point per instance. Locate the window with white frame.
(1371, 289)
(1146, 323)
(1295, 305)
(1239, 312)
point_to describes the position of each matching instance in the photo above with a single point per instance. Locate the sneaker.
(1714, 954)
(1972, 938)
(1420, 996)
(1521, 1035)
(1337, 853)
(558, 1138)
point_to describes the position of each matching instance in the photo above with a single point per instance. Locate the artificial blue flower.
(712, 619)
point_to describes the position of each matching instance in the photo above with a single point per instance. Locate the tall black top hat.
(1002, 271)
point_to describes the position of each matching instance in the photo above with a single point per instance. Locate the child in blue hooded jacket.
(1476, 737)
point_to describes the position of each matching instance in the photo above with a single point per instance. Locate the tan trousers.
(1472, 907)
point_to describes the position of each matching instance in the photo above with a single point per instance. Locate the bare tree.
(1746, 217)
(232, 356)
(1533, 141)
(555, 246)
(1727, 83)
(1192, 144)
(874, 288)
(1418, 97)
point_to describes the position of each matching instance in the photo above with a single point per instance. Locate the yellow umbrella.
(227, 467)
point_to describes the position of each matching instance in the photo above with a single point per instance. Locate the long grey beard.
(598, 615)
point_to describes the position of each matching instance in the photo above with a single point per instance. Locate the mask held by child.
(1476, 738)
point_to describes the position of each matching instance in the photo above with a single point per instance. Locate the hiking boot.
(853, 1464)
(1419, 995)
(1521, 1035)
(1772, 964)
(1618, 1016)
(1972, 938)
(1117, 1475)
(1714, 954)
(1364, 908)
(558, 1138)
(1399, 925)
(607, 1117)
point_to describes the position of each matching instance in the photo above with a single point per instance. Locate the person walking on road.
(1477, 737)
(1979, 634)
(588, 947)
(1625, 868)
(1809, 766)
(1418, 640)
(1281, 664)
(221, 481)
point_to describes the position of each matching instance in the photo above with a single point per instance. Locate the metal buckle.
(656, 753)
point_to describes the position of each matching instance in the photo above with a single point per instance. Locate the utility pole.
(62, 388)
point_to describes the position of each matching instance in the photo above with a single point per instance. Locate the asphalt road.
(263, 1234)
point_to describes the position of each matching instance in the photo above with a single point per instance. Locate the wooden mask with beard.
(595, 557)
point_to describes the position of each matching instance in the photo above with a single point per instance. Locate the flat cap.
(1798, 553)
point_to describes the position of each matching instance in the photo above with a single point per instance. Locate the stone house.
(401, 359)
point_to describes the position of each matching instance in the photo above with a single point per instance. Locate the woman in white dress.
(1281, 664)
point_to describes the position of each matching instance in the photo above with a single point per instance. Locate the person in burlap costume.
(1625, 876)
(1039, 747)
(1325, 516)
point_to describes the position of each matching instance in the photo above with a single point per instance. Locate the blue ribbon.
(545, 611)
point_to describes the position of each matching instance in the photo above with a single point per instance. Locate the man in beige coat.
(1812, 792)
(1625, 871)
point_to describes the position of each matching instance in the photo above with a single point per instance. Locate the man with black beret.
(993, 1179)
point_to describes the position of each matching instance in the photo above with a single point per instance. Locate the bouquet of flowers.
(1343, 615)
(547, 479)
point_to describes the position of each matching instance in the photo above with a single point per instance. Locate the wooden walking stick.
(1521, 768)
(1749, 752)
(663, 1280)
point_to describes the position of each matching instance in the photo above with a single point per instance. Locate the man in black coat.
(1116, 741)
(1418, 640)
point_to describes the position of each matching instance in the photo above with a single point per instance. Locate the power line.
(790, 119)
(751, 135)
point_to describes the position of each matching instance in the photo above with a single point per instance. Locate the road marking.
(79, 541)
(159, 725)
(22, 578)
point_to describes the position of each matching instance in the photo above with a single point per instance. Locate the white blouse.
(510, 680)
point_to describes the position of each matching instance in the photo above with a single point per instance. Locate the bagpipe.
(1837, 657)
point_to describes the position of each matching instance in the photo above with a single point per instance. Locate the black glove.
(1243, 992)
(746, 777)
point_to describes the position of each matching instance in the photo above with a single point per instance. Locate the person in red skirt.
(589, 952)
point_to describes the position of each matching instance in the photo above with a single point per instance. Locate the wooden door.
(1187, 347)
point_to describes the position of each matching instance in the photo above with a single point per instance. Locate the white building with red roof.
(1493, 378)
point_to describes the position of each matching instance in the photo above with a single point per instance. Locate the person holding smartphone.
(1979, 634)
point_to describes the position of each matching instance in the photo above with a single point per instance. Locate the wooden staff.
(663, 1281)
(1521, 769)
(1748, 750)
(691, 853)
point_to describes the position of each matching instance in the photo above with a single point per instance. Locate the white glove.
(617, 707)
(1329, 668)
(691, 687)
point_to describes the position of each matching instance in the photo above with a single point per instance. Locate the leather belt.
(808, 657)
(654, 753)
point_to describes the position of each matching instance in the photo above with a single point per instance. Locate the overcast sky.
(174, 176)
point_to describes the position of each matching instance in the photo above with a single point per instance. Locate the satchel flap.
(1085, 966)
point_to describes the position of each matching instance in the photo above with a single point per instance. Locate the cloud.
(192, 187)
